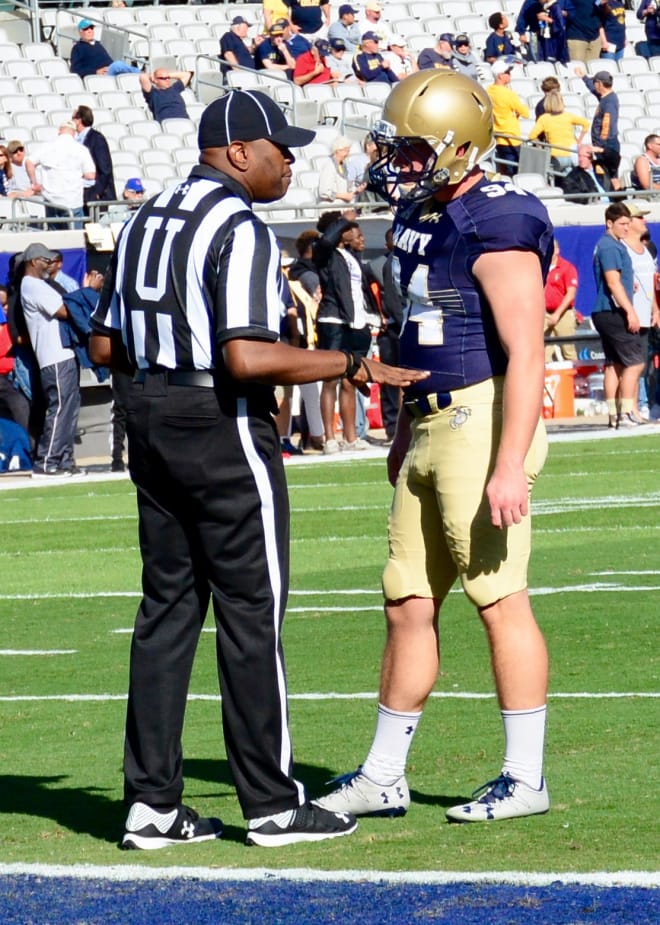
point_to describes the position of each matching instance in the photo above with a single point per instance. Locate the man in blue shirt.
(615, 318)
(346, 29)
(233, 49)
(162, 90)
(369, 65)
(605, 124)
(90, 57)
(310, 15)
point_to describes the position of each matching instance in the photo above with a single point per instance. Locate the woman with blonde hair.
(558, 126)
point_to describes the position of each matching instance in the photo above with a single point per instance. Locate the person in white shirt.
(341, 62)
(402, 63)
(44, 309)
(374, 21)
(66, 167)
(645, 298)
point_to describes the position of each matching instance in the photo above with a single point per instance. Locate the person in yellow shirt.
(508, 109)
(558, 127)
(274, 10)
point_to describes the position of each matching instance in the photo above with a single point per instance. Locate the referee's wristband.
(353, 364)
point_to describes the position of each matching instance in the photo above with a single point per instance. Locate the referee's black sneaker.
(149, 828)
(307, 823)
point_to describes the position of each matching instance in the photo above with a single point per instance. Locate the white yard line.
(621, 878)
(333, 695)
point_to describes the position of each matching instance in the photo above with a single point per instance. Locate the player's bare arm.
(513, 284)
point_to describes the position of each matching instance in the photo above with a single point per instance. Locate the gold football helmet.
(436, 125)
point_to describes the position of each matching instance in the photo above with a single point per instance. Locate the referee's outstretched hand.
(373, 371)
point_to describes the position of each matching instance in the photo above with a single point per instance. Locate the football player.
(471, 253)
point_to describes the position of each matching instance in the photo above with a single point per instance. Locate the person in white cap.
(402, 63)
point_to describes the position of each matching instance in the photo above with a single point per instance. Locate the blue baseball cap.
(86, 24)
(134, 185)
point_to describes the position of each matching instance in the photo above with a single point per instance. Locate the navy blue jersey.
(449, 327)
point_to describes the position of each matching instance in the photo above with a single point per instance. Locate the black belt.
(428, 404)
(200, 378)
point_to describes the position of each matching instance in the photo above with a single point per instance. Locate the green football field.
(70, 569)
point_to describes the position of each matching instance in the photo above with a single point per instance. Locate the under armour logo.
(187, 829)
(409, 730)
(182, 189)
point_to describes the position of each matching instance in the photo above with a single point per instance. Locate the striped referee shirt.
(193, 268)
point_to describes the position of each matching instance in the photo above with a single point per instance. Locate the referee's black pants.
(214, 521)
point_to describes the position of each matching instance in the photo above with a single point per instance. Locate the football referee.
(191, 307)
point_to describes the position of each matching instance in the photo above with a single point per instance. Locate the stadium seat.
(20, 67)
(37, 51)
(65, 84)
(52, 67)
(146, 129)
(31, 86)
(149, 156)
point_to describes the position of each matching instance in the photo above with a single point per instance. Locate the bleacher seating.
(38, 92)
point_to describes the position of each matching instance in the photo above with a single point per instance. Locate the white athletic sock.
(386, 761)
(524, 738)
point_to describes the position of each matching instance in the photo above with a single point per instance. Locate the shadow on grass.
(88, 811)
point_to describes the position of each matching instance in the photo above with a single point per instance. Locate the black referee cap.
(246, 115)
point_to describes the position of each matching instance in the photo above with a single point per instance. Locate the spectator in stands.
(402, 62)
(525, 29)
(612, 15)
(90, 57)
(43, 308)
(65, 168)
(558, 128)
(551, 31)
(162, 91)
(346, 29)
(341, 62)
(296, 42)
(342, 321)
(585, 179)
(500, 41)
(63, 282)
(103, 188)
(272, 11)
(508, 109)
(369, 65)
(605, 123)
(133, 195)
(582, 30)
(309, 15)
(615, 318)
(233, 49)
(19, 182)
(464, 62)
(548, 85)
(273, 53)
(372, 21)
(333, 182)
(440, 56)
(648, 12)
(646, 169)
(311, 66)
(560, 291)
(5, 171)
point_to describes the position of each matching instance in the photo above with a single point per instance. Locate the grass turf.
(67, 550)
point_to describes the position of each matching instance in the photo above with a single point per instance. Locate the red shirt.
(560, 276)
(6, 362)
(305, 64)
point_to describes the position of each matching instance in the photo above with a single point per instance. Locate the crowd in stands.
(310, 44)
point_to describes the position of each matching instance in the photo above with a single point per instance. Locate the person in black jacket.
(584, 178)
(103, 189)
(343, 322)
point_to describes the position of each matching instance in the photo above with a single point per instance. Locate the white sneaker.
(331, 446)
(358, 444)
(359, 796)
(502, 798)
